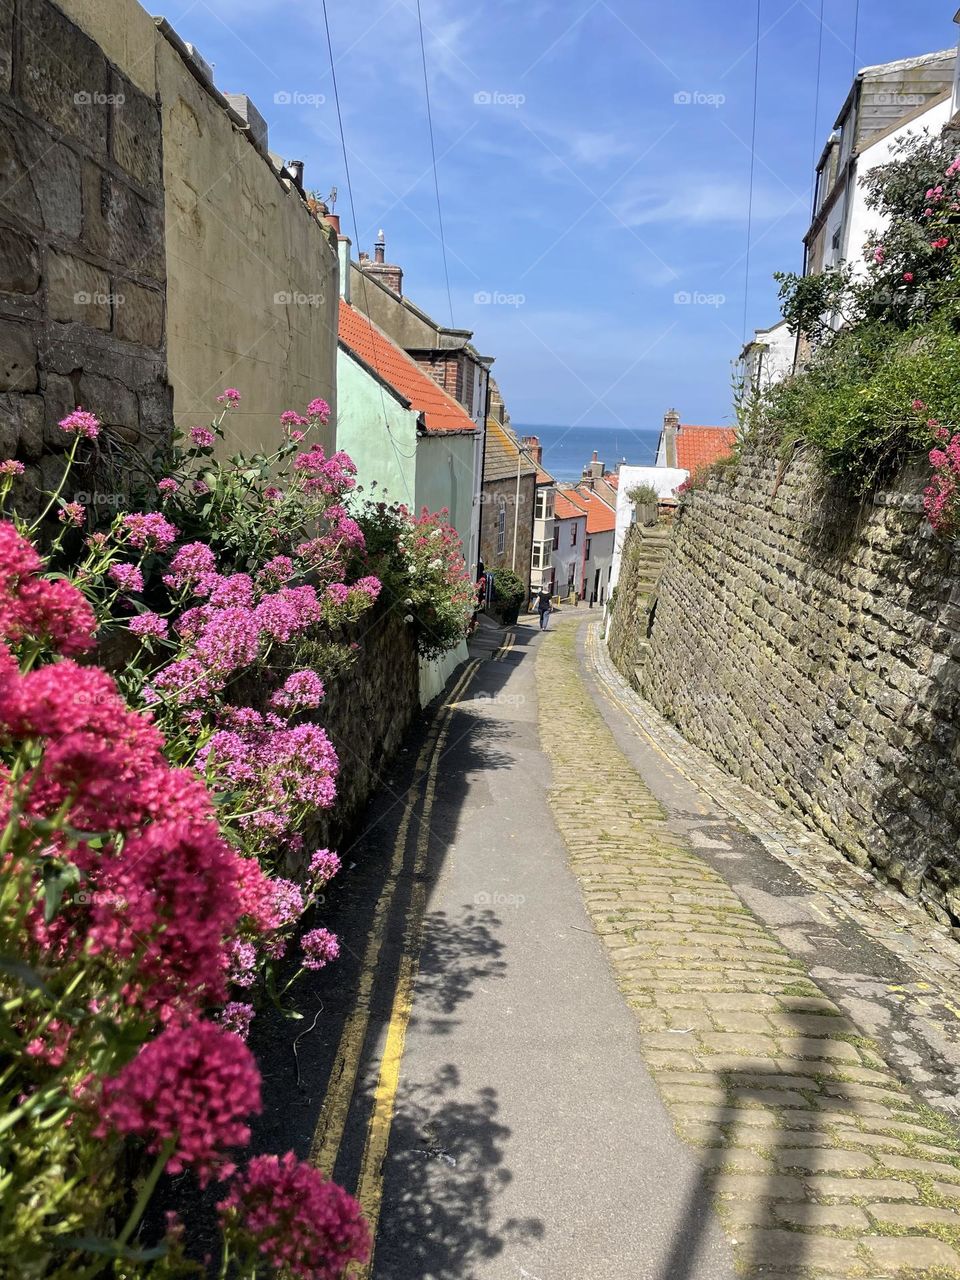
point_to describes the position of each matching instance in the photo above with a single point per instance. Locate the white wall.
(601, 557)
(565, 555)
(664, 479)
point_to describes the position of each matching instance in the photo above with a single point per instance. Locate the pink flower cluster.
(193, 1087)
(51, 610)
(298, 1221)
(941, 498)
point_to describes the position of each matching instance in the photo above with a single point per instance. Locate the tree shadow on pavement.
(447, 1171)
(455, 956)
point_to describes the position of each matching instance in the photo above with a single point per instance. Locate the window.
(571, 577)
(586, 553)
(573, 534)
(544, 509)
(501, 527)
(541, 555)
(556, 537)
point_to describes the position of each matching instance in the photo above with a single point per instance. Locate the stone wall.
(253, 277)
(627, 638)
(366, 713)
(499, 494)
(813, 646)
(82, 264)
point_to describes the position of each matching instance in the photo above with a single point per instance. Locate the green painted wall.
(368, 420)
(445, 479)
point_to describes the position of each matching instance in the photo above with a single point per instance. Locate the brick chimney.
(387, 273)
(534, 448)
(671, 425)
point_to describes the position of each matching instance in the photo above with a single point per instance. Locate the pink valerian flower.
(97, 542)
(52, 1045)
(257, 896)
(276, 572)
(301, 690)
(234, 591)
(200, 488)
(320, 947)
(170, 894)
(229, 640)
(243, 960)
(148, 624)
(81, 423)
(127, 576)
(319, 409)
(236, 1017)
(11, 467)
(879, 255)
(47, 609)
(192, 560)
(338, 592)
(288, 904)
(941, 498)
(324, 865)
(185, 680)
(370, 586)
(940, 243)
(202, 437)
(194, 1086)
(73, 513)
(149, 529)
(917, 405)
(289, 611)
(299, 1223)
(272, 493)
(168, 486)
(908, 277)
(934, 194)
(229, 397)
(291, 419)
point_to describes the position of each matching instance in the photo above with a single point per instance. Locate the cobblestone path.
(821, 1160)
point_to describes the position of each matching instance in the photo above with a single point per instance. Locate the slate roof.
(441, 413)
(500, 451)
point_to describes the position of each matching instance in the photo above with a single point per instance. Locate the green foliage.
(508, 590)
(643, 495)
(869, 387)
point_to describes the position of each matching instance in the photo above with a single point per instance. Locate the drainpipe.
(516, 515)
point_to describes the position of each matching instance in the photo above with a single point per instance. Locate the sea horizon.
(567, 450)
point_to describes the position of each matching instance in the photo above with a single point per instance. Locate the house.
(508, 497)
(544, 523)
(569, 535)
(411, 441)
(596, 498)
(692, 447)
(444, 353)
(885, 103)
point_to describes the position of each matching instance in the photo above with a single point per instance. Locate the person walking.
(543, 607)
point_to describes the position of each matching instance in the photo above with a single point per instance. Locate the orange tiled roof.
(441, 413)
(601, 517)
(564, 509)
(699, 446)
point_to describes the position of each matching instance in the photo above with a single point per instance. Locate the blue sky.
(579, 196)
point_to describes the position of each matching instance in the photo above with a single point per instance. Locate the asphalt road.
(482, 1088)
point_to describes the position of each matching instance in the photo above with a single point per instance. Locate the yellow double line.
(328, 1135)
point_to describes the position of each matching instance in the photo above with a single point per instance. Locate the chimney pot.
(671, 425)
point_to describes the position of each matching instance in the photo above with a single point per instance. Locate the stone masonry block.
(138, 314)
(63, 77)
(19, 262)
(18, 357)
(77, 291)
(136, 134)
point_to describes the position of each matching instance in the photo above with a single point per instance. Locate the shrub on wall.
(509, 592)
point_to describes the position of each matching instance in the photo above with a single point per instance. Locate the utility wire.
(753, 151)
(356, 233)
(433, 156)
(816, 101)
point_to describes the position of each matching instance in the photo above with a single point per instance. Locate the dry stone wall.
(812, 645)
(82, 263)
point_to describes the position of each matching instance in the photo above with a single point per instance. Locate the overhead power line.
(433, 157)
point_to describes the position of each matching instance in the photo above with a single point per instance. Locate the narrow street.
(595, 1024)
